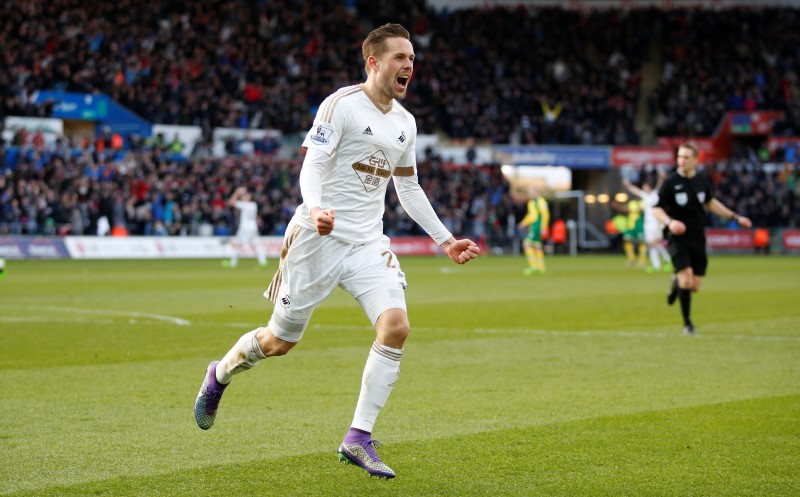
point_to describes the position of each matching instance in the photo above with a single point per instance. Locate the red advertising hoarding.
(729, 239)
(636, 156)
(791, 240)
(711, 149)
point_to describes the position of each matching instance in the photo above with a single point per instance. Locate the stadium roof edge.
(611, 4)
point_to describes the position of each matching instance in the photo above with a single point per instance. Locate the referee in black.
(683, 200)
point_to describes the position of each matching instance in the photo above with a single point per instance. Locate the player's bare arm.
(461, 251)
(237, 194)
(633, 188)
(673, 225)
(718, 208)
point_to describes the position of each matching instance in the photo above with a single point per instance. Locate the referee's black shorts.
(688, 254)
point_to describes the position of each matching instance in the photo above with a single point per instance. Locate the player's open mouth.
(403, 81)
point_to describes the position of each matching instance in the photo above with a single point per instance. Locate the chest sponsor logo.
(322, 134)
(681, 198)
(373, 171)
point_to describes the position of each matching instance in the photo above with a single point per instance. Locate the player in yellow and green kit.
(634, 234)
(538, 220)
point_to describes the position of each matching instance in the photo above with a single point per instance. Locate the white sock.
(664, 254)
(261, 253)
(244, 355)
(380, 375)
(655, 258)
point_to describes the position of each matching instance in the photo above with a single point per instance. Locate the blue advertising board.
(573, 157)
(12, 247)
(98, 108)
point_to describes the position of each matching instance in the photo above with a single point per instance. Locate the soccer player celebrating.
(682, 202)
(361, 137)
(247, 232)
(653, 233)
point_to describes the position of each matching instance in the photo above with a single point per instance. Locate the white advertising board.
(154, 247)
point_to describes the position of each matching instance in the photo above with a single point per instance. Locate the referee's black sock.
(685, 295)
(673, 291)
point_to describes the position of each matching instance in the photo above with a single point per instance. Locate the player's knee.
(399, 331)
(393, 328)
(271, 345)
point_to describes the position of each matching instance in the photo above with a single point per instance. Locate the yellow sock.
(642, 254)
(530, 253)
(540, 259)
(628, 246)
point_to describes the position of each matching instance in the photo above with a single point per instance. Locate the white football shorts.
(312, 266)
(652, 233)
(247, 233)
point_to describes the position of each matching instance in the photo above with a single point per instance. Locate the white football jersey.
(650, 200)
(366, 148)
(247, 213)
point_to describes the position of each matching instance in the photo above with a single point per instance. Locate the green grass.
(577, 382)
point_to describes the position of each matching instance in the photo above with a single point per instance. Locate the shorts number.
(389, 258)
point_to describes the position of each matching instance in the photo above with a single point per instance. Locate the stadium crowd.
(727, 60)
(497, 75)
(146, 193)
(269, 64)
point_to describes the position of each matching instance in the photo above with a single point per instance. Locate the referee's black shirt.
(683, 199)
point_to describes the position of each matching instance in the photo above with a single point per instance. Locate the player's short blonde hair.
(374, 43)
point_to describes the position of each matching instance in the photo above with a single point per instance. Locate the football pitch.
(577, 382)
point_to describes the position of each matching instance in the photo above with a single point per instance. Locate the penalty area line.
(114, 312)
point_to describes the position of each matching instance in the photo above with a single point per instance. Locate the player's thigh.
(312, 268)
(697, 282)
(374, 277)
(535, 235)
(246, 235)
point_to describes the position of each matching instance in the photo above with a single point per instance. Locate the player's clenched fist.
(461, 251)
(323, 220)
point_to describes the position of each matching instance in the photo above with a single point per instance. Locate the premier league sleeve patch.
(321, 134)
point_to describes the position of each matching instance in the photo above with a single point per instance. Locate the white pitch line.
(589, 333)
(579, 333)
(54, 319)
(112, 312)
